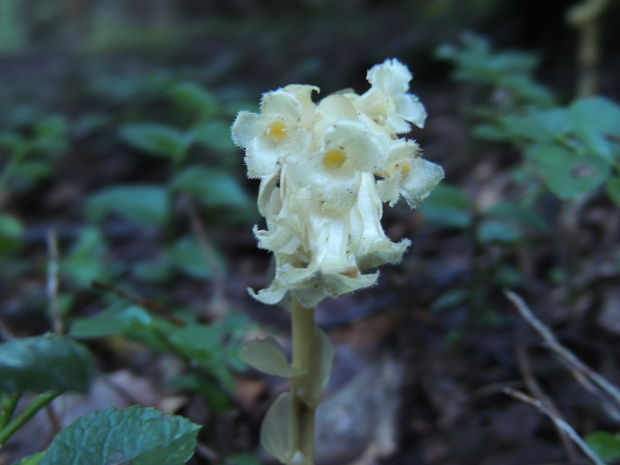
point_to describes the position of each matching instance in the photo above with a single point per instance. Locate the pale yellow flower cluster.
(325, 171)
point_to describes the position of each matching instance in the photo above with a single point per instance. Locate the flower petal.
(281, 103)
(409, 107)
(422, 178)
(337, 106)
(261, 158)
(279, 239)
(382, 253)
(328, 240)
(271, 295)
(373, 247)
(391, 77)
(245, 128)
(389, 190)
(340, 284)
(269, 199)
(317, 186)
(366, 151)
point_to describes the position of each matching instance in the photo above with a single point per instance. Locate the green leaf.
(447, 206)
(566, 173)
(158, 140)
(111, 322)
(86, 260)
(276, 429)
(596, 119)
(190, 96)
(492, 131)
(500, 231)
(44, 363)
(604, 444)
(313, 383)
(267, 356)
(217, 399)
(613, 189)
(510, 71)
(145, 204)
(211, 187)
(31, 459)
(525, 128)
(11, 230)
(135, 435)
(187, 255)
(215, 135)
(557, 121)
(30, 172)
(507, 276)
(599, 112)
(242, 458)
(89, 123)
(205, 346)
(449, 299)
(51, 134)
(521, 214)
(157, 269)
(14, 143)
(542, 126)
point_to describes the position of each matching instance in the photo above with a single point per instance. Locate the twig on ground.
(536, 390)
(52, 416)
(587, 377)
(207, 453)
(52, 283)
(153, 307)
(559, 423)
(217, 304)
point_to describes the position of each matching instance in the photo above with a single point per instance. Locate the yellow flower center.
(405, 169)
(334, 158)
(277, 131)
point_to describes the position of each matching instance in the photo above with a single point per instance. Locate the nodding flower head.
(325, 170)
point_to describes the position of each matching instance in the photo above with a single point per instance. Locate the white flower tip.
(280, 103)
(243, 129)
(410, 108)
(422, 179)
(268, 296)
(391, 76)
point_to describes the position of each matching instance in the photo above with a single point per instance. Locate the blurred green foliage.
(569, 151)
(188, 145)
(572, 149)
(605, 445)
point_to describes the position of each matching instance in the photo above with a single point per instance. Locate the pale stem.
(302, 415)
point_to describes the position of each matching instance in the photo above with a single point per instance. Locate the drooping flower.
(325, 171)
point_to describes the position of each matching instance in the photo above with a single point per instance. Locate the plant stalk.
(302, 415)
(26, 414)
(8, 408)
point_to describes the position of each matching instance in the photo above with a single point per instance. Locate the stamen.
(405, 169)
(334, 158)
(277, 131)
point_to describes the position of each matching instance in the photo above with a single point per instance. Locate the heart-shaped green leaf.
(43, 363)
(566, 173)
(134, 435)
